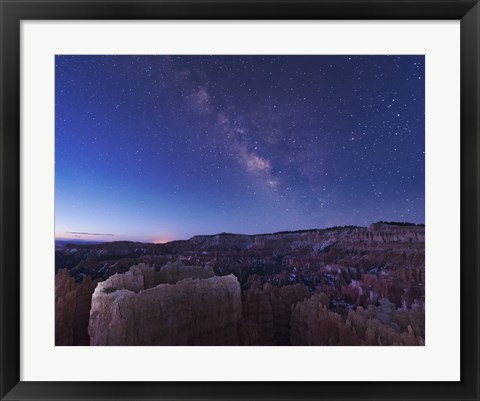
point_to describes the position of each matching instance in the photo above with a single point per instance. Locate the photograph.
(240, 200)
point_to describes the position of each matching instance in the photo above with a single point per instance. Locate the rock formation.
(191, 312)
(72, 309)
(312, 323)
(266, 314)
(171, 273)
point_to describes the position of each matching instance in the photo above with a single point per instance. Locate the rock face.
(312, 323)
(190, 312)
(171, 273)
(72, 308)
(266, 314)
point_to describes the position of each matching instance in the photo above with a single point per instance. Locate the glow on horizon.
(164, 239)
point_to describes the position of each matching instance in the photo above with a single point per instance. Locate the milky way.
(155, 148)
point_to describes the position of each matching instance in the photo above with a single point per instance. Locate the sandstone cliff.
(171, 273)
(72, 309)
(312, 323)
(190, 312)
(266, 314)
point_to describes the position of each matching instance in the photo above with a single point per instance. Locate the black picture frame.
(13, 11)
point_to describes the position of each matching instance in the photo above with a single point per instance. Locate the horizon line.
(232, 233)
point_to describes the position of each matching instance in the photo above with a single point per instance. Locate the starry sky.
(157, 148)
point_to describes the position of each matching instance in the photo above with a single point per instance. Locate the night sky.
(156, 148)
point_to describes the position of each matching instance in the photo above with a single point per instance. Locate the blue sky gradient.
(156, 148)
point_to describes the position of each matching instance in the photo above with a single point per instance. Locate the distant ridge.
(306, 230)
(62, 242)
(399, 223)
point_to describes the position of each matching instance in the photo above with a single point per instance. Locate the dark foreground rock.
(312, 323)
(72, 309)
